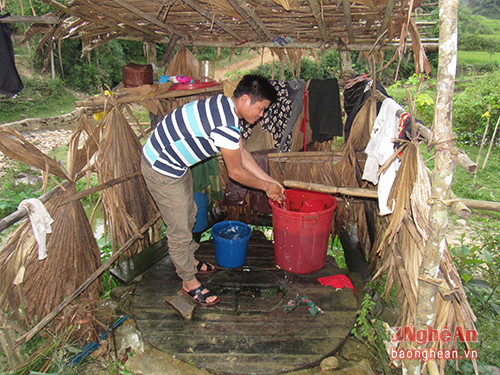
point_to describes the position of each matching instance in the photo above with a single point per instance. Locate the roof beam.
(247, 12)
(317, 13)
(348, 20)
(118, 18)
(387, 17)
(211, 17)
(148, 18)
(49, 20)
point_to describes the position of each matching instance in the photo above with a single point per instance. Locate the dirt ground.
(242, 65)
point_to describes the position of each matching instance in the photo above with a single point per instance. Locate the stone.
(26, 179)
(353, 350)
(128, 338)
(363, 367)
(329, 363)
(120, 291)
(155, 362)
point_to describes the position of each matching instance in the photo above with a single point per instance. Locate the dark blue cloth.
(10, 82)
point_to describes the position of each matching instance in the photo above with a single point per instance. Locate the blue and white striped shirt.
(192, 133)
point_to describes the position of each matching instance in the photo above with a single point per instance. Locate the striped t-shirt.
(192, 133)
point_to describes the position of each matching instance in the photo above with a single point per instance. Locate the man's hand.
(276, 192)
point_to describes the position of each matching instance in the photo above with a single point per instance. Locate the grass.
(39, 98)
(478, 57)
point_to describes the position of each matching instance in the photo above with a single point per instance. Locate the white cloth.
(379, 150)
(40, 223)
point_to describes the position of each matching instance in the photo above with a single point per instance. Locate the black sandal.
(209, 268)
(197, 296)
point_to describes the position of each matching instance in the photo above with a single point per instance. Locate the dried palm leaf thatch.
(183, 63)
(399, 250)
(38, 286)
(35, 286)
(400, 253)
(16, 147)
(129, 205)
(347, 172)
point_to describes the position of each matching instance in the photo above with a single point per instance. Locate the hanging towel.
(40, 223)
(325, 116)
(337, 282)
(379, 150)
(10, 82)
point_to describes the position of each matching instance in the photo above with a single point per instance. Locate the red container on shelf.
(194, 85)
(301, 234)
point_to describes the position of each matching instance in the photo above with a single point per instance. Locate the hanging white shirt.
(379, 150)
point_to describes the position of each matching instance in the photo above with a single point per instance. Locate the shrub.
(470, 106)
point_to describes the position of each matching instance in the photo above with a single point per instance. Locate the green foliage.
(478, 262)
(108, 282)
(327, 67)
(487, 8)
(370, 329)
(471, 104)
(210, 53)
(336, 250)
(101, 68)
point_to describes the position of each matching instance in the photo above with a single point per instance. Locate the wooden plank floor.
(247, 332)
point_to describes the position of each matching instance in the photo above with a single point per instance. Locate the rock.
(124, 296)
(128, 338)
(353, 350)
(26, 179)
(361, 368)
(155, 362)
(329, 363)
(119, 292)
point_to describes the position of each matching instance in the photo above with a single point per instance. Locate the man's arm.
(248, 173)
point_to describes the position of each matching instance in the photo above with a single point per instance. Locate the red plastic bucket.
(300, 235)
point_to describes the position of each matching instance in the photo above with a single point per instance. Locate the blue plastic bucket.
(231, 243)
(201, 201)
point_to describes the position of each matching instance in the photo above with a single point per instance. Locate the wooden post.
(445, 152)
(491, 144)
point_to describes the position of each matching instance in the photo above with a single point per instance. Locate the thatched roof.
(356, 25)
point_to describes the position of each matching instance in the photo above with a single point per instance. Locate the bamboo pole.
(442, 175)
(100, 187)
(23, 212)
(491, 144)
(48, 318)
(482, 141)
(354, 192)
(460, 206)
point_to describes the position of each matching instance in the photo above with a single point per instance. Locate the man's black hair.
(257, 87)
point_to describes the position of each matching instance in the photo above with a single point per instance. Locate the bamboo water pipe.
(460, 206)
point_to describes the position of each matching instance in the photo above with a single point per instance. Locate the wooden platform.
(248, 331)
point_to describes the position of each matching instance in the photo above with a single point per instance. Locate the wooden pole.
(445, 152)
(48, 318)
(459, 205)
(23, 212)
(491, 144)
(482, 141)
(100, 187)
